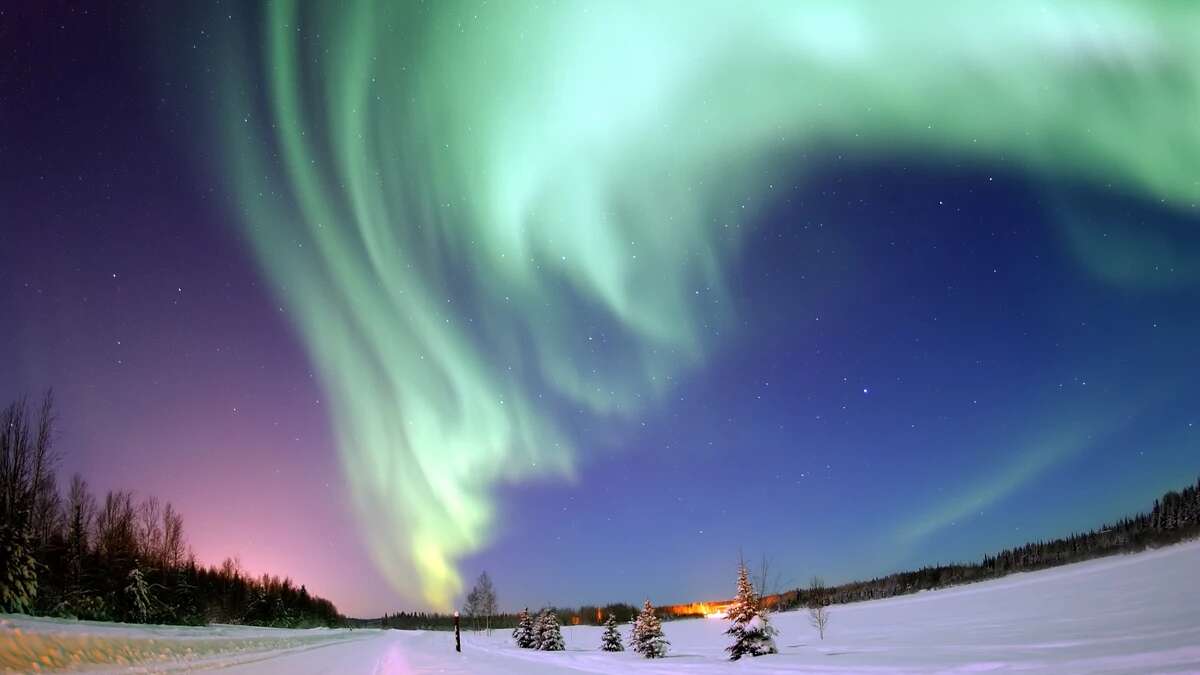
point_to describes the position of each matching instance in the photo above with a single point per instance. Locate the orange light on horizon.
(709, 610)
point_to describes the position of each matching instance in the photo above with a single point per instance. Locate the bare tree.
(818, 605)
(481, 602)
(116, 529)
(487, 600)
(470, 608)
(81, 512)
(174, 552)
(231, 568)
(27, 463)
(150, 534)
(47, 516)
(768, 585)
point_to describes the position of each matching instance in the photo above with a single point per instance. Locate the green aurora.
(452, 198)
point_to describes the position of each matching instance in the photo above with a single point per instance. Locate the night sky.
(595, 299)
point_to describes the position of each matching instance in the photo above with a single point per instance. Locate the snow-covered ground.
(1125, 614)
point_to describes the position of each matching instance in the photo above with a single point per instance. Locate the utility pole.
(457, 639)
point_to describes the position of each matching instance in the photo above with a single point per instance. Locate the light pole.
(457, 639)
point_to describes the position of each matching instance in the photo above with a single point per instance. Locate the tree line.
(586, 615)
(1173, 518)
(118, 558)
(480, 612)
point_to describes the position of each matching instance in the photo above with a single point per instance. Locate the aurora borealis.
(567, 258)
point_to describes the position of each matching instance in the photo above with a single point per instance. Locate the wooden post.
(457, 639)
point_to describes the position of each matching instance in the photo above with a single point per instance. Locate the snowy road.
(1125, 614)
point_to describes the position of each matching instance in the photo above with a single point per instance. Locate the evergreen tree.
(751, 632)
(138, 592)
(26, 479)
(281, 615)
(611, 640)
(184, 599)
(549, 636)
(539, 624)
(634, 629)
(79, 557)
(648, 636)
(18, 568)
(535, 633)
(523, 634)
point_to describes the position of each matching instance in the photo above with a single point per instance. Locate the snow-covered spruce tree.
(634, 629)
(648, 635)
(535, 633)
(18, 568)
(139, 595)
(523, 634)
(281, 616)
(549, 636)
(752, 634)
(611, 640)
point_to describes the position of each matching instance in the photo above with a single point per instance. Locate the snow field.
(1124, 614)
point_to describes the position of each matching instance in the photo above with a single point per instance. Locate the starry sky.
(596, 297)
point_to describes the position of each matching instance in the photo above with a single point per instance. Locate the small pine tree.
(611, 640)
(535, 633)
(185, 600)
(634, 629)
(18, 569)
(751, 632)
(523, 634)
(648, 635)
(139, 594)
(281, 616)
(549, 636)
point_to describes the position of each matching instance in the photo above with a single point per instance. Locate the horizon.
(378, 313)
(785, 589)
